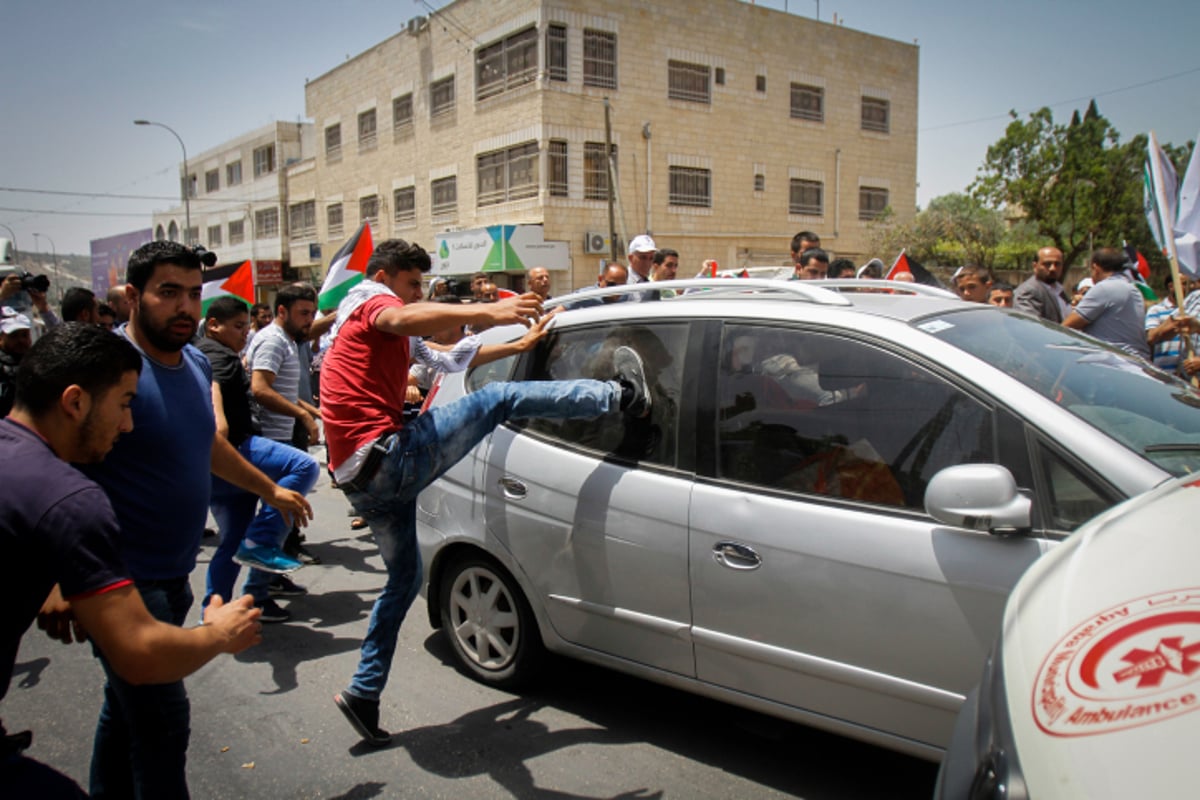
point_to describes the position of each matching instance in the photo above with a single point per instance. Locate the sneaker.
(632, 376)
(283, 586)
(304, 556)
(363, 716)
(273, 612)
(268, 559)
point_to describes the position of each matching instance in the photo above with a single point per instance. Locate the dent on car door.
(591, 509)
(817, 579)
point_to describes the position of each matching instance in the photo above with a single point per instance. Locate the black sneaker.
(631, 374)
(283, 586)
(271, 612)
(363, 716)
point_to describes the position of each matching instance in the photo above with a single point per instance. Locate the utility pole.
(610, 173)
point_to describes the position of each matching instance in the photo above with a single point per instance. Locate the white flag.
(1187, 220)
(1161, 190)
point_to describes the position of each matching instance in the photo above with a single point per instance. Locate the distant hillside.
(74, 270)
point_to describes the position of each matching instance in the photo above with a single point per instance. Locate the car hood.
(1101, 649)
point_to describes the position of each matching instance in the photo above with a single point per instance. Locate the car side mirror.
(982, 497)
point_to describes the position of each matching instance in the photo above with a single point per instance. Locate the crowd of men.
(130, 436)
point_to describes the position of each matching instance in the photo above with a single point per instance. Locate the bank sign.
(498, 248)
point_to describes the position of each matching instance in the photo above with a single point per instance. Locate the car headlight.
(998, 776)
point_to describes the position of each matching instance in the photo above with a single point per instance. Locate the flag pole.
(1168, 234)
(1167, 226)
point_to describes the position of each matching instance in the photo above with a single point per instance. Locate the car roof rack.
(807, 291)
(893, 287)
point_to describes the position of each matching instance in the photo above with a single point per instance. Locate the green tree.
(1075, 184)
(953, 229)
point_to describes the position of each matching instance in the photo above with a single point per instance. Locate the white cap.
(641, 244)
(12, 322)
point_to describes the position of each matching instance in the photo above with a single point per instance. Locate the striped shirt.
(274, 351)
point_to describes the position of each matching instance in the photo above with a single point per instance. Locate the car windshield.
(1150, 412)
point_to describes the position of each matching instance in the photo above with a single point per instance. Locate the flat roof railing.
(805, 291)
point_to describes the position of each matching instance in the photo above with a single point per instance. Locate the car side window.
(822, 414)
(588, 353)
(1071, 497)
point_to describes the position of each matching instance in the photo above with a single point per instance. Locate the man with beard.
(274, 362)
(158, 481)
(280, 364)
(15, 338)
(1042, 294)
(58, 533)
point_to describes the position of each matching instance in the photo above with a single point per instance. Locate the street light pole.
(54, 256)
(187, 189)
(16, 252)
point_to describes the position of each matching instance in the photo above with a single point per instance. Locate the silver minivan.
(822, 517)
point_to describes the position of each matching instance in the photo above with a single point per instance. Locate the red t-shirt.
(363, 381)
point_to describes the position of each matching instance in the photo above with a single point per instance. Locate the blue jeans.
(234, 511)
(142, 736)
(417, 455)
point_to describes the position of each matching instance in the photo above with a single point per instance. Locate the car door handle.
(513, 489)
(736, 556)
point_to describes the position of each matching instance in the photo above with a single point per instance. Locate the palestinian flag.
(1139, 270)
(901, 265)
(231, 279)
(347, 268)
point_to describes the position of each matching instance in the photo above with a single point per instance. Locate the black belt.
(370, 466)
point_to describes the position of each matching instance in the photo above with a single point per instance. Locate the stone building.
(238, 199)
(732, 127)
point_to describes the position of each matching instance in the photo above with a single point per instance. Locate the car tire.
(489, 624)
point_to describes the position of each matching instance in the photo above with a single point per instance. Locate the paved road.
(264, 725)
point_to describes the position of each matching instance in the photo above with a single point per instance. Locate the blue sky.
(77, 74)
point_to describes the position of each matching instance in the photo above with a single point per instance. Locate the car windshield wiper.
(1178, 447)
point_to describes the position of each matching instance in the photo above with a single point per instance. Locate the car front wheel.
(489, 623)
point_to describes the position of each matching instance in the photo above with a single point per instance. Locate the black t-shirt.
(230, 375)
(56, 526)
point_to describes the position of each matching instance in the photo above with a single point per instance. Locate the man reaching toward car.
(382, 463)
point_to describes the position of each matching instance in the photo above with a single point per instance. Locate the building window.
(808, 102)
(233, 173)
(875, 114)
(189, 185)
(600, 59)
(444, 195)
(333, 143)
(806, 198)
(441, 96)
(264, 160)
(193, 234)
(760, 182)
(556, 52)
(402, 115)
(366, 130)
(688, 82)
(214, 236)
(405, 202)
(212, 180)
(557, 182)
(266, 223)
(872, 201)
(506, 64)
(719, 76)
(237, 231)
(690, 186)
(302, 219)
(595, 170)
(760, 84)
(333, 219)
(368, 209)
(510, 174)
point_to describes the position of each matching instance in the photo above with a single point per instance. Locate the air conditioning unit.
(416, 25)
(595, 243)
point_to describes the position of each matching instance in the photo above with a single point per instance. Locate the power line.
(53, 212)
(1092, 96)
